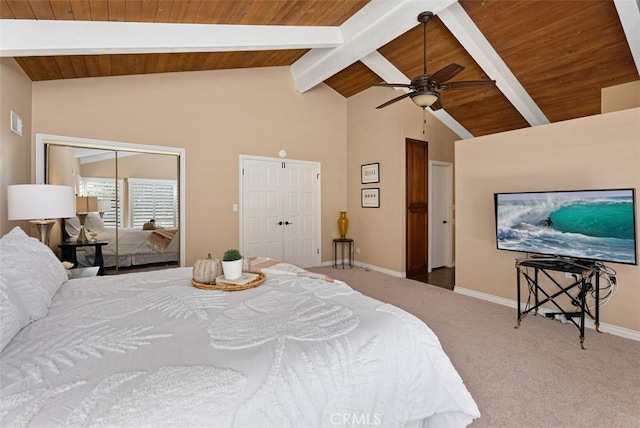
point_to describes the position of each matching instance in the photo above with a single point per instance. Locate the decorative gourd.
(206, 270)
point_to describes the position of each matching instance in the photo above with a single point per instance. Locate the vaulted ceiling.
(550, 58)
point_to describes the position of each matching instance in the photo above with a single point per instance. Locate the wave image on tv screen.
(597, 225)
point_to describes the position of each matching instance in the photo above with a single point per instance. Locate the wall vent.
(16, 123)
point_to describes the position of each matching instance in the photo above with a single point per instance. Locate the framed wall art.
(370, 173)
(371, 198)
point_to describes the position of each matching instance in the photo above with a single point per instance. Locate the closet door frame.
(43, 139)
(318, 214)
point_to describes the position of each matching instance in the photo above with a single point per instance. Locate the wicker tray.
(227, 287)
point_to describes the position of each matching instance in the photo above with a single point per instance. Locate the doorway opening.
(429, 217)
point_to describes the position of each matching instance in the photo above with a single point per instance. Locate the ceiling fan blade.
(394, 85)
(468, 84)
(395, 99)
(446, 73)
(436, 106)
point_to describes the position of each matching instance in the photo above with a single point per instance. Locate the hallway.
(441, 277)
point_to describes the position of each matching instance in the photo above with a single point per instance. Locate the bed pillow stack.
(31, 274)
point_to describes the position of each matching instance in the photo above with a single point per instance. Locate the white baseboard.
(367, 266)
(604, 327)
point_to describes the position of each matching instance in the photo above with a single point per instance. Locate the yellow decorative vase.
(343, 224)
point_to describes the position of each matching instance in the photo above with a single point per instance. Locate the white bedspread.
(148, 349)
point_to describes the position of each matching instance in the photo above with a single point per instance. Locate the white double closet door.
(280, 210)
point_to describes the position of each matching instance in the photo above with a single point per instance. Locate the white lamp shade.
(104, 204)
(40, 201)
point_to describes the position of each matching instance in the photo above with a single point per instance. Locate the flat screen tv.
(586, 224)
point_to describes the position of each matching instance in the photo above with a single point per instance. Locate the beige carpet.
(534, 376)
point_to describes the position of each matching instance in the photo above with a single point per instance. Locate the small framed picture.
(370, 173)
(371, 198)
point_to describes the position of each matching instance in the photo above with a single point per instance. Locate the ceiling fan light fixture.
(425, 98)
(425, 86)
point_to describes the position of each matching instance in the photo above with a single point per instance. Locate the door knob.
(444, 221)
(287, 223)
(279, 223)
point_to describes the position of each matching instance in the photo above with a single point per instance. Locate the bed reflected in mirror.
(137, 210)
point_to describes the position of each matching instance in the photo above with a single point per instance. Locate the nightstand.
(68, 250)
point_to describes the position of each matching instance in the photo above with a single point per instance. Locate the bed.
(136, 246)
(149, 349)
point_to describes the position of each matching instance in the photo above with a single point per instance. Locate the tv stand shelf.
(582, 270)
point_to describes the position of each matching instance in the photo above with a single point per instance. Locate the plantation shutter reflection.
(153, 199)
(103, 188)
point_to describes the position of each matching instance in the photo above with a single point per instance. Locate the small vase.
(343, 224)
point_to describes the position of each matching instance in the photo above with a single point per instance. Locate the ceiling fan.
(425, 89)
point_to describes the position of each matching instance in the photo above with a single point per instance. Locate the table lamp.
(40, 204)
(84, 205)
(103, 205)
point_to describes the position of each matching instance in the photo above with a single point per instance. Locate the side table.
(69, 249)
(342, 242)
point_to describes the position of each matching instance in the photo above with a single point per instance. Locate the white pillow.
(93, 223)
(13, 314)
(32, 270)
(72, 226)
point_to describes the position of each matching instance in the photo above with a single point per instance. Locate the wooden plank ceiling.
(561, 52)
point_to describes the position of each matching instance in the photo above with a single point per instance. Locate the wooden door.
(417, 242)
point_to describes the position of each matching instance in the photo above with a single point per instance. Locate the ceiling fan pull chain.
(424, 121)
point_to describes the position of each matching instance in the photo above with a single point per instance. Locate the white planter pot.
(232, 270)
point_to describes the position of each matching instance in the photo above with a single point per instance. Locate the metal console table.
(582, 270)
(342, 242)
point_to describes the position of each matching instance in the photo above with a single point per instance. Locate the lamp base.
(82, 236)
(44, 229)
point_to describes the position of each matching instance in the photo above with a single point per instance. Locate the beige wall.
(143, 165)
(15, 151)
(215, 116)
(594, 152)
(63, 167)
(379, 136)
(620, 97)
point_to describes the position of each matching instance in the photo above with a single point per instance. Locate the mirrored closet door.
(128, 204)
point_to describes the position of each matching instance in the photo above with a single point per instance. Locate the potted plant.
(232, 264)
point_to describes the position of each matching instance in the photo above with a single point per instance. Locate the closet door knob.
(279, 223)
(287, 223)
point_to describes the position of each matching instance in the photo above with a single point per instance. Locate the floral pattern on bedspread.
(279, 315)
(151, 350)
